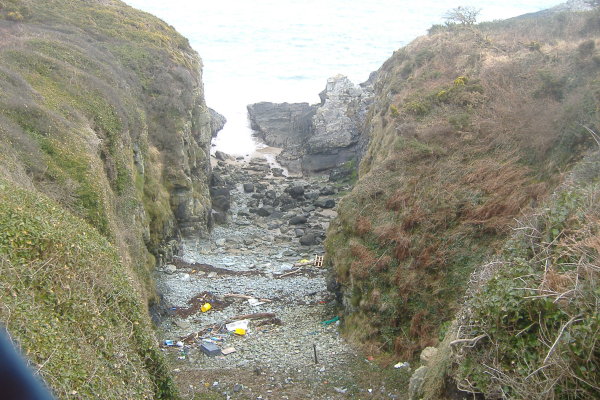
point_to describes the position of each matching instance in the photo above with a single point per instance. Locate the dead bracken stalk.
(42, 365)
(594, 135)
(469, 342)
(560, 333)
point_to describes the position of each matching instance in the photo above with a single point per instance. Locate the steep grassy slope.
(67, 300)
(122, 89)
(472, 127)
(530, 327)
(102, 111)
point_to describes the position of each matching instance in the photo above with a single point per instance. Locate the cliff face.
(470, 128)
(102, 114)
(103, 110)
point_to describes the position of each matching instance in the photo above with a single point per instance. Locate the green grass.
(94, 105)
(68, 302)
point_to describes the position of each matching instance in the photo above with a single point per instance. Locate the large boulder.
(217, 122)
(221, 156)
(283, 124)
(221, 198)
(325, 203)
(316, 139)
(219, 217)
(415, 385)
(265, 211)
(298, 219)
(428, 354)
(216, 180)
(296, 191)
(308, 239)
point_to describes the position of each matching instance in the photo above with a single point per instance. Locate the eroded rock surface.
(217, 122)
(282, 124)
(319, 138)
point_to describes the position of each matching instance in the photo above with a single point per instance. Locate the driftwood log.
(245, 296)
(254, 316)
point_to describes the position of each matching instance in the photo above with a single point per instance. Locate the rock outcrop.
(217, 122)
(286, 125)
(338, 125)
(316, 138)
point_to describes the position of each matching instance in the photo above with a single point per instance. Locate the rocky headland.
(317, 139)
(217, 122)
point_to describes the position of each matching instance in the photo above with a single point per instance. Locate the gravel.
(248, 258)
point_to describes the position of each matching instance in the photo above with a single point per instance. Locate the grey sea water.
(284, 50)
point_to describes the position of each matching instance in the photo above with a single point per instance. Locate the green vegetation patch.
(14, 10)
(536, 323)
(409, 236)
(469, 130)
(66, 300)
(113, 22)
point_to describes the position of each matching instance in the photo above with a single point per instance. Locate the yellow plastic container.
(205, 307)
(240, 331)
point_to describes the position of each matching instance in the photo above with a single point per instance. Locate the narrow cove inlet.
(300, 200)
(259, 267)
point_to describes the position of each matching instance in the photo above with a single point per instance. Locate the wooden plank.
(319, 261)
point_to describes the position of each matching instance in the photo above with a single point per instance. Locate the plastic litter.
(210, 349)
(242, 324)
(240, 331)
(403, 365)
(172, 343)
(255, 302)
(331, 321)
(228, 350)
(205, 307)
